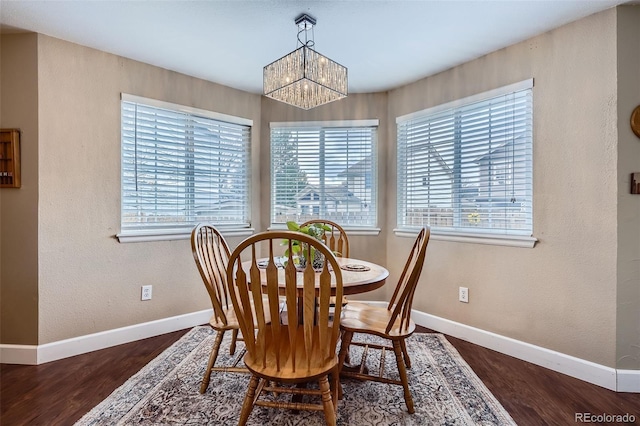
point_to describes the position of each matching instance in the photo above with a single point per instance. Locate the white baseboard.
(556, 361)
(40, 354)
(19, 354)
(628, 381)
(607, 377)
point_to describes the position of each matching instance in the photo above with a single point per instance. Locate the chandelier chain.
(308, 42)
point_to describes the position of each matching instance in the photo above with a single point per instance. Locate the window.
(324, 170)
(466, 167)
(182, 166)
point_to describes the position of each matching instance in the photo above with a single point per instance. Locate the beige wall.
(561, 294)
(19, 207)
(89, 282)
(628, 299)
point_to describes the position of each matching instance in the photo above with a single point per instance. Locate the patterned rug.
(165, 392)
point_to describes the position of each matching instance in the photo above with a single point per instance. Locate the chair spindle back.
(335, 238)
(308, 328)
(211, 253)
(402, 298)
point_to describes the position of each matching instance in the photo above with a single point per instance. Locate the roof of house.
(331, 192)
(359, 168)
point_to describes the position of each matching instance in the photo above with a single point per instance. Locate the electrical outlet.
(146, 292)
(463, 294)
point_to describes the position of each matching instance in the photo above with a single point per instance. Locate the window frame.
(460, 235)
(372, 229)
(184, 232)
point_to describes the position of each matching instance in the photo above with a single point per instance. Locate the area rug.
(166, 392)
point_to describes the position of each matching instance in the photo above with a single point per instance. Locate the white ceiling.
(384, 44)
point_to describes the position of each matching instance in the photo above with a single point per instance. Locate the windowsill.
(460, 237)
(174, 234)
(350, 230)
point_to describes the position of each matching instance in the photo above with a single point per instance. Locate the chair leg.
(344, 349)
(336, 386)
(261, 384)
(407, 360)
(234, 337)
(397, 349)
(247, 405)
(339, 392)
(347, 359)
(212, 360)
(329, 409)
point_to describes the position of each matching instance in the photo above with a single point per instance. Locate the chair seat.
(232, 319)
(287, 374)
(363, 318)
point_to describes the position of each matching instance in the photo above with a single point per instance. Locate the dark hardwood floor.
(60, 392)
(535, 395)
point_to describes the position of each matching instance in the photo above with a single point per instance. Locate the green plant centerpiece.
(315, 230)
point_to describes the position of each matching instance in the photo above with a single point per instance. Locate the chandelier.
(304, 78)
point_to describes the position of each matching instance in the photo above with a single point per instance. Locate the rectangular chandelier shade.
(305, 78)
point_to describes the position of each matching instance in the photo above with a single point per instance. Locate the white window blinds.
(181, 167)
(324, 170)
(467, 166)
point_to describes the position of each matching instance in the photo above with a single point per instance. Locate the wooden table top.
(358, 276)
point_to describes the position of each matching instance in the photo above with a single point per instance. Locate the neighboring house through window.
(182, 166)
(324, 170)
(466, 167)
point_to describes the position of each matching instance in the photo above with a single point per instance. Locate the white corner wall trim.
(628, 381)
(18, 354)
(40, 354)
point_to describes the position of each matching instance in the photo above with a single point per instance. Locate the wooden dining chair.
(335, 237)
(392, 323)
(211, 253)
(303, 347)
